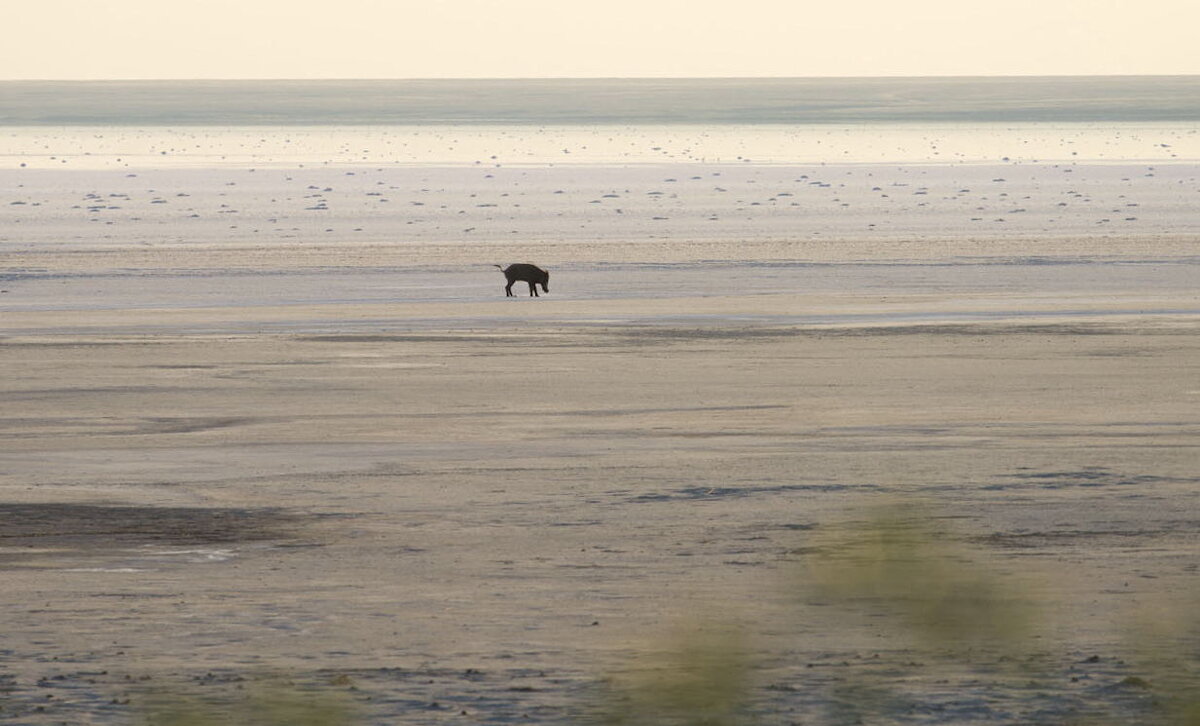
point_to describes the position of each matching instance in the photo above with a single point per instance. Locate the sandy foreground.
(355, 465)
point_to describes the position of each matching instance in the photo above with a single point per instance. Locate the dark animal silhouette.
(525, 272)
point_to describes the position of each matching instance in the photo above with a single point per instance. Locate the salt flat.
(304, 432)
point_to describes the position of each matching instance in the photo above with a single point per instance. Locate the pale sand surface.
(230, 455)
(890, 204)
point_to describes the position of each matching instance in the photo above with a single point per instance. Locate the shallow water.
(603, 101)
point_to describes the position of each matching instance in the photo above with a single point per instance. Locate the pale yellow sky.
(127, 39)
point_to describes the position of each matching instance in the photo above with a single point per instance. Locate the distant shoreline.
(585, 79)
(602, 101)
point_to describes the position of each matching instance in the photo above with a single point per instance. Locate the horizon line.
(601, 78)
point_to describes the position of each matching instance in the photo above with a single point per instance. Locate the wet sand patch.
(85, 528)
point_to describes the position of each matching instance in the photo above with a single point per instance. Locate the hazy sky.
(88, 39)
